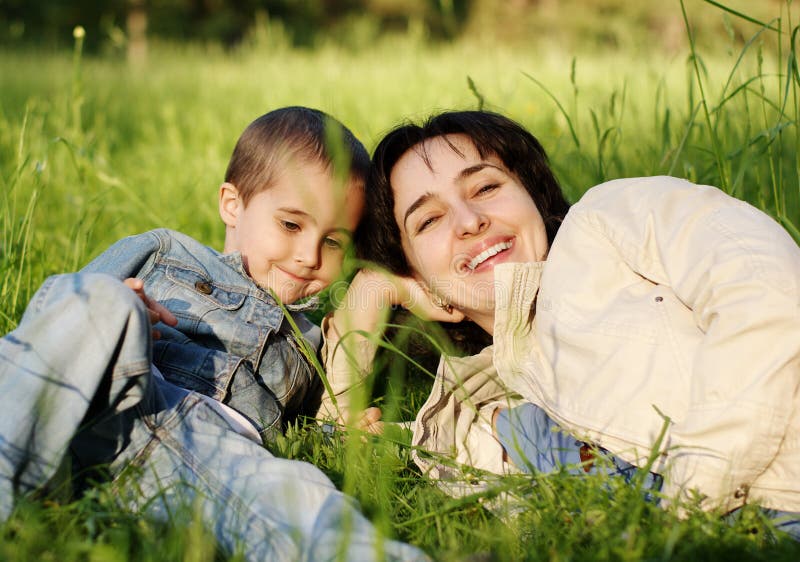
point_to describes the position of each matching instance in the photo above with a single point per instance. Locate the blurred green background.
(117, 117)
(114, 25)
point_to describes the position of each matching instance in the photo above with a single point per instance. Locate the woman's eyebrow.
(466, 172)
(421, 200)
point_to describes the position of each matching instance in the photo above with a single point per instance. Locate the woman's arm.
(738, 272)
(352, 331)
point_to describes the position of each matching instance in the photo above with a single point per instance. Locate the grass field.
(92, 149)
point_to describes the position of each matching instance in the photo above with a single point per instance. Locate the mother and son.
(651, 311)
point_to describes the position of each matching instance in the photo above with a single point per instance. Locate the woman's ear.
(230, 204)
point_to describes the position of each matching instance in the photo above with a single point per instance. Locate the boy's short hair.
(295, 131)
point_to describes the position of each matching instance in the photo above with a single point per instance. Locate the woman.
(654, 311)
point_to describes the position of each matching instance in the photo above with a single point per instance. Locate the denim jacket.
(232, 342)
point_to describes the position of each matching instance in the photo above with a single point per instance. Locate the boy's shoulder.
(170, 238)
(181, 250)
(140, 254)
(160, 240)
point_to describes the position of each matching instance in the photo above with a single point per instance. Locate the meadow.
(93, 149)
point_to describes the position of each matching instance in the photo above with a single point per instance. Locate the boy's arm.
(128, 257)
(125, 260)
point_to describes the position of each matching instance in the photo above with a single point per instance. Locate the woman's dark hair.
(378, 236)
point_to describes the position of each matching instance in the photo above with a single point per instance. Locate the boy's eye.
(332, 243)
(290, 226)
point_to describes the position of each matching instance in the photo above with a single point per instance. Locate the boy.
(188, 408)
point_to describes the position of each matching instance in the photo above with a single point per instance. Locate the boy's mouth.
(295, 276)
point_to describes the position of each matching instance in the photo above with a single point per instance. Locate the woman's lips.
(486, 255)
(489, 252)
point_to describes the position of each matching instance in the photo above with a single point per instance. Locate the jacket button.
(204, 287)
(659, 299)
(741, 491)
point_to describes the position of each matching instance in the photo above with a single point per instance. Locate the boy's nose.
(307, 255)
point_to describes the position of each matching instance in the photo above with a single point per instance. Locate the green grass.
(92, 149)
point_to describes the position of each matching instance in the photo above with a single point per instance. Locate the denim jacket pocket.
(206, 292)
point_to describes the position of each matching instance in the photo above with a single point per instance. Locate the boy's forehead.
(313, 187)
(318, 177)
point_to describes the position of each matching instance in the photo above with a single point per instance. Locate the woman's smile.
(490, 256)
(459, 215)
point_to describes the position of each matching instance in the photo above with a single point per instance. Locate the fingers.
(155, 310)
(163, 313)
(445, 313)
(422, 303)
(136, 284)
(370, 420)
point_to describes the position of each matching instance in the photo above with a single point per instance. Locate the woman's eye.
(333, 243)
(487, 188)
(425, 224)
(290, 226)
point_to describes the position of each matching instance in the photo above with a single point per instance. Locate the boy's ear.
(230, 204)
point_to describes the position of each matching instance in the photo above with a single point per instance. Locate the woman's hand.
(418, 300)
(355, 326)
(388, 290)
(370, 421)
(156, 311)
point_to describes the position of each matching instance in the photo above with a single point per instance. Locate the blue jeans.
(76, 383)
(534, 443)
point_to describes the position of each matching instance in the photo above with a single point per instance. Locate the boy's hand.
(156, 311)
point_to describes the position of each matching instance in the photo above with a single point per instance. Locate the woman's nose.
(470, 220)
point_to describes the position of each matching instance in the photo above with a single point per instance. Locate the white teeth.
(488, 253)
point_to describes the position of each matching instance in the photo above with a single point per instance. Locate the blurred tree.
(565, 24)
(136, 27)
(50, 22)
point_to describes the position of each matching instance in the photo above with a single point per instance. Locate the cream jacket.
(662, 306)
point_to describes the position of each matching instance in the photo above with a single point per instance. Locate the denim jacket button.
(204, 287)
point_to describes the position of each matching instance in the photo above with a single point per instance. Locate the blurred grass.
(93, 149)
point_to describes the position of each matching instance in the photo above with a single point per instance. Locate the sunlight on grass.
(92, 150)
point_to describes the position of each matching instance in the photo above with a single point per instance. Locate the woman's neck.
(484, 319)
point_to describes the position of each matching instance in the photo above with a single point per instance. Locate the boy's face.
(293, 235)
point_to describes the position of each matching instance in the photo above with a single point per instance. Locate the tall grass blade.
(739, 14)
(559, 106)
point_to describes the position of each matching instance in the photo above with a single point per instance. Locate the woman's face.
(459, 218)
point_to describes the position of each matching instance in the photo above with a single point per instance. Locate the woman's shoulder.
(646, 188)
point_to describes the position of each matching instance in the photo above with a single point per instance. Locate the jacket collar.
(516, 287)
(234, 261)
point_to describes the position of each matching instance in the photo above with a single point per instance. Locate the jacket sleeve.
(346, 365)
(129, 257)
(738, 272)
(454, 424)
